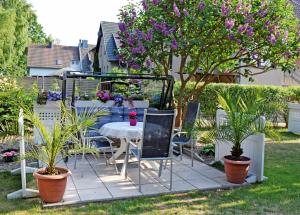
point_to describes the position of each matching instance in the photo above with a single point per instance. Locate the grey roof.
(107, 31)
(297, 7)
(41, 56)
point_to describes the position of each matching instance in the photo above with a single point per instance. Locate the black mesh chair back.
(190, 116)
(158, 131)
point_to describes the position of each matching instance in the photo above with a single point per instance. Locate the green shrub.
(275, 107)
(12, 98)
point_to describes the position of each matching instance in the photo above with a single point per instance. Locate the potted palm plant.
(52, 179)
(243, 120)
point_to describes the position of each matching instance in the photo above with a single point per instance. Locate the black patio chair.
(156, 140)
(183, 136)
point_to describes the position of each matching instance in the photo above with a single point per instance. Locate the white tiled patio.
(93, 181)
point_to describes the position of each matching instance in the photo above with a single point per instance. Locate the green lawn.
(280, 194)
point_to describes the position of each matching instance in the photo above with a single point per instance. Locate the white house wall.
(42, 71)
(273, 77)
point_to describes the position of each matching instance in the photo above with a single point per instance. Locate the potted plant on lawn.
(52, 179)
(243, 120)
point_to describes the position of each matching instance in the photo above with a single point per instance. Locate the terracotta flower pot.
(52, 187)
(236, 171)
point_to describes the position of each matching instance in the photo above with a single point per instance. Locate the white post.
(24, 192)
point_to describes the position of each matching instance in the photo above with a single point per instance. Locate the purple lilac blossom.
(242, 29)
(225, 10)
(229, 23)
(135, 66)
(176, 10)
(148, 63)
(181, 1)
(272, 39)
(262, 13)
(155, 2)
(185, 11)
(122, 27)
(130, 41)
(250, 31)
(231, 37)
(201, 6)
(174, 44)
(238, 8)
(145, 5)
(286, 36)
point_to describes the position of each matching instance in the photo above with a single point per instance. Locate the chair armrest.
(179, 133)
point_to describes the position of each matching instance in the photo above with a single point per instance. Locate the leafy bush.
(12, 98)
(275, 107)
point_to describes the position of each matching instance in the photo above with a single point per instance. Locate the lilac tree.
(225, 36)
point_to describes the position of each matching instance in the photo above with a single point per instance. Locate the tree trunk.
(180, 106)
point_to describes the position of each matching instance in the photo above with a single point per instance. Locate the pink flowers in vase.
(132, 118)
(103, 96)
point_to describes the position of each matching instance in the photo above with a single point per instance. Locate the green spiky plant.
(243, 120)
(63, 131)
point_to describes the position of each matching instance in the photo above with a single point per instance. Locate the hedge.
(275, 108)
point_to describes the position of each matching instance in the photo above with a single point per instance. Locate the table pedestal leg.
(120, 151)
(125, 164)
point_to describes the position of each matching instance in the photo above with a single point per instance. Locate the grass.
(280, 194)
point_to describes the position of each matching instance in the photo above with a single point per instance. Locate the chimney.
(83, 44)
(50, 45)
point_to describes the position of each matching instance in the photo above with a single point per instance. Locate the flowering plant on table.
(132, 115)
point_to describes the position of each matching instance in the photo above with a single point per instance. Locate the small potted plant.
(243, 120)
(132, 118)
(52, 179)
(118, 100)
(103, 96)
(9, 155)
(42, 97)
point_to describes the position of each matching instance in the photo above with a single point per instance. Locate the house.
(53, 60)
(107, 46)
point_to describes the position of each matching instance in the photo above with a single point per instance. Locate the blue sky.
(71, 20)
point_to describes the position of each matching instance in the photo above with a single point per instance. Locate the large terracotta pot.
(52, 187)
(236, 171)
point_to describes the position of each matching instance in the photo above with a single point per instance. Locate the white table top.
(122, 130)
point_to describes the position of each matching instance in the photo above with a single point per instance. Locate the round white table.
(124, 132)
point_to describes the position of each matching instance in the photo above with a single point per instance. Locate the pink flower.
(9, 154)
(132, 114)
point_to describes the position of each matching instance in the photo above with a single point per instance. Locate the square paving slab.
(94, 181)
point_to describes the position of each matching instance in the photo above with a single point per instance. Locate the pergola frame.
(166, 98)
